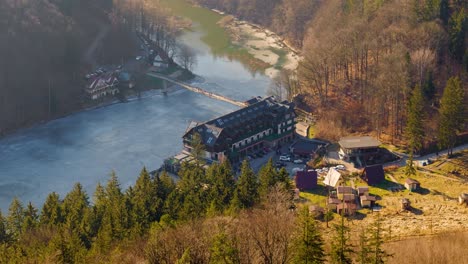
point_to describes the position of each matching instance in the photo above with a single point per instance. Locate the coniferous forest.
(208, 216)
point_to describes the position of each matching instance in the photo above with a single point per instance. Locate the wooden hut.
(405, 204)
(411, 184)
(463, 198)
(346, 208)
(362, 190)
(342, 190)
(367, 200)
(332, 203)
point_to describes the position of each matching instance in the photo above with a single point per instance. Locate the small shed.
(373, 174)
(316, 211)
(411, 184)
(362, 190)
(367, 200)
(349, 198)
(463, 198)
(332, 203)
(405, 204)
(346, 208)
(342, 190)
(306, 180)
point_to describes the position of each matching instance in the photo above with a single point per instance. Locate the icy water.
(85, 147)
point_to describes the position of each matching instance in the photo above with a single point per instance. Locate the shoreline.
(261, 43)
(144, 94)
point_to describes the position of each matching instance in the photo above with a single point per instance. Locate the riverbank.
(262, 44)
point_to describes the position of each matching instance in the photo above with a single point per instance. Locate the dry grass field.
(434, 230)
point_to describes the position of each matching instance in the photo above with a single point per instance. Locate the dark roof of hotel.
(359, 142)
(211, 130)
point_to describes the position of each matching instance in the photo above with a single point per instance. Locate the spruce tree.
(246, 193)
(452, 114)
(223, 250)
(268, 177)
(341, 250)
(3, 229)
(51, 213)
(308, 247)
(221, 181)
(74, 206)
(376, 253)
(145, 202)
(363, 254)
(15, 218)
(415, 123)
(30, 217)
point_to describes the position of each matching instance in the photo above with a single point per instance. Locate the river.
(85, 147)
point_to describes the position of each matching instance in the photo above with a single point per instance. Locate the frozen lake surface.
(85, 147)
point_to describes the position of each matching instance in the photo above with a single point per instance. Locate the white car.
(294, 170)
(340, 167)
(139, 58)
(298, 161)
(284, 158)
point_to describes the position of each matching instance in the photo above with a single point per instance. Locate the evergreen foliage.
(451, 114)
(309, 244)
(341, 249)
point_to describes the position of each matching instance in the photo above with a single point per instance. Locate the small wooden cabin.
(412, 184)
(463, 198)
(346, 209)
(367, 200)
(362, 190)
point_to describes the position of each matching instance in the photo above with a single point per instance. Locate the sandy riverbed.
(263, 45)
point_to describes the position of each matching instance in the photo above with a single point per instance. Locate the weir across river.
(197, 89)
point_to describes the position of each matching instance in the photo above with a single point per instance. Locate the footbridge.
(197, 89)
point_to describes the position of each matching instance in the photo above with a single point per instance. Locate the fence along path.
(198, 90)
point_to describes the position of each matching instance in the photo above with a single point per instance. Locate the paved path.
(198, 90)
(402, 162)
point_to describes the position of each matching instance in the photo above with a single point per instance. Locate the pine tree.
(309, 243)
(145, 202)
(284, 180)
(223, 250)
(268, 177)
(3, 229)
(410, 170)
(30, 217)
(415, 123)
(222, 185)
(363, 254)
(51, 213)
(246, 193)
(340, 248)
(15, 218)
(452, 114)
(376, 253)
(74, 206)
(429, 88)
(457, 32)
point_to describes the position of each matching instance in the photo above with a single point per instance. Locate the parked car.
(294, 170)
(298, 161)
(284, 158)
(279, 164)
(139, 58)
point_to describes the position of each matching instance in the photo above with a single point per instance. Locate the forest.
(46, 48)
(206, 217)
(363, 59)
